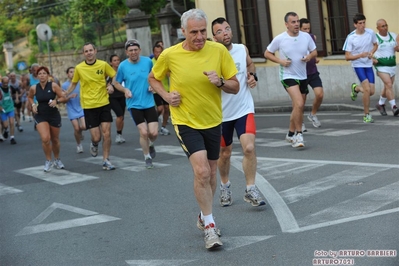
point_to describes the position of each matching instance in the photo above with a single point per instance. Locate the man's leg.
(297, 99)
(318, 99)
(204, 180)
(224, 163)
(106, 134)
(249, 161)
(144, 141)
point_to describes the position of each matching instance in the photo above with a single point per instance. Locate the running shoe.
(79, 148)
(304, 128)
(289, 139)
(119, 139)
(93, 150)
(395, 111)
(47, 166)
(107, 165)
(23, 117)
(252, 196)
(298, 141)
(58, 164)
(20, 129)
(314, 120)
(153, 153)
(201, 225)
(12, 140)
(164, 131)
(225, 196)
(381, 108)
(353, 91)
(1, 138)
(148, 163)
(5, 133)
(211, 238)
(368, 119)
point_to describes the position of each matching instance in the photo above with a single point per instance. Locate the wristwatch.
(221, 82)
(255, 76)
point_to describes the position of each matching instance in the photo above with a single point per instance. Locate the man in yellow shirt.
(92, 74)
(199, 71)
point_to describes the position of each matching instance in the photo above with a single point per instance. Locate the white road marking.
(4, 190)
(314, 187)
(57, 176)
(128, 164)
(283, 214)
(230, 243)
(365, 203)
(158, 262)
(36, 225)
(287, 168)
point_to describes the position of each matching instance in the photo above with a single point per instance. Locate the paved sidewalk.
(331, 105)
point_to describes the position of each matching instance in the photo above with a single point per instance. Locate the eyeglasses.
(218, 32)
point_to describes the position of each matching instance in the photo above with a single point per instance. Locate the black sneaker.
(395, 111)
(13, 141)
(381, 108)
(5, 134)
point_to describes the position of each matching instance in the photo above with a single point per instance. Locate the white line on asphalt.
(341, 221)
(332, 162)
(314, 187)
(4, 190)
(35, 225)
(365, 203)
(158, 262)
(283, 214)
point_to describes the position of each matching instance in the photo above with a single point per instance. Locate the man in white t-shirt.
(296, 48)
(359, 48)
(385, 64)
(238, 114)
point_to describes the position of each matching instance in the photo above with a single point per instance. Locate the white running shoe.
(289, 139)
(314, 120)
(164, 131)
(119, 139)
(304, 128)
(298, 141)
(47, 166)
(79, 148)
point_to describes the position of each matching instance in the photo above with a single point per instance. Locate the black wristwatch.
(255, 76)
(221, 82)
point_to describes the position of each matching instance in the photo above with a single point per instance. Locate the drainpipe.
(172, 6)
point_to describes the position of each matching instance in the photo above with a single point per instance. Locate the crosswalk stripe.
(363, 204)
(5, 190)
(314, 187)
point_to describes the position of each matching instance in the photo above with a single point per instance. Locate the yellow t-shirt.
(200, 105)
(165, 81)
(93, 90)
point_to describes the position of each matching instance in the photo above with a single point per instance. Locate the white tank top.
(242, 103)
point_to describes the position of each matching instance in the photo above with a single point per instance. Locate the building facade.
(255, 23)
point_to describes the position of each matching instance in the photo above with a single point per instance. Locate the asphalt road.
(338, 194)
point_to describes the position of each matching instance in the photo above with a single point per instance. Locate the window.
(332, 21)
(250, 23)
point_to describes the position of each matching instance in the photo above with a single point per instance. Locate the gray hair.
(194, 13)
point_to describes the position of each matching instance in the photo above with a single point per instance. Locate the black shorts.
(54, 119)
(314, 80)
(303, 86)
(193, 140)
(17, 105)
(141, 115)
(243, 125)
(159, 100)
(95, 116)
(118, 105)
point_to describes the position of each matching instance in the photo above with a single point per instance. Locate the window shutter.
(230, 7)
(353, 7)
(315, 17)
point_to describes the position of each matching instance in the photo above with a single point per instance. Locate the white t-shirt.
(294, 48)
(237, 105)
(360, 43)
(386, 49)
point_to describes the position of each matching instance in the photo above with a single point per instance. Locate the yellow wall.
(213, 9)
(386, 9)
(278, 9)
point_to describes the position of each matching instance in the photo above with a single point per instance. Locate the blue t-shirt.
(135, 76)
(73, 106)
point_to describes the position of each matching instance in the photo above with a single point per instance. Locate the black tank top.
(43, 97)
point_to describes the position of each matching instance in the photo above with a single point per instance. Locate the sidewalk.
(328, 105)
